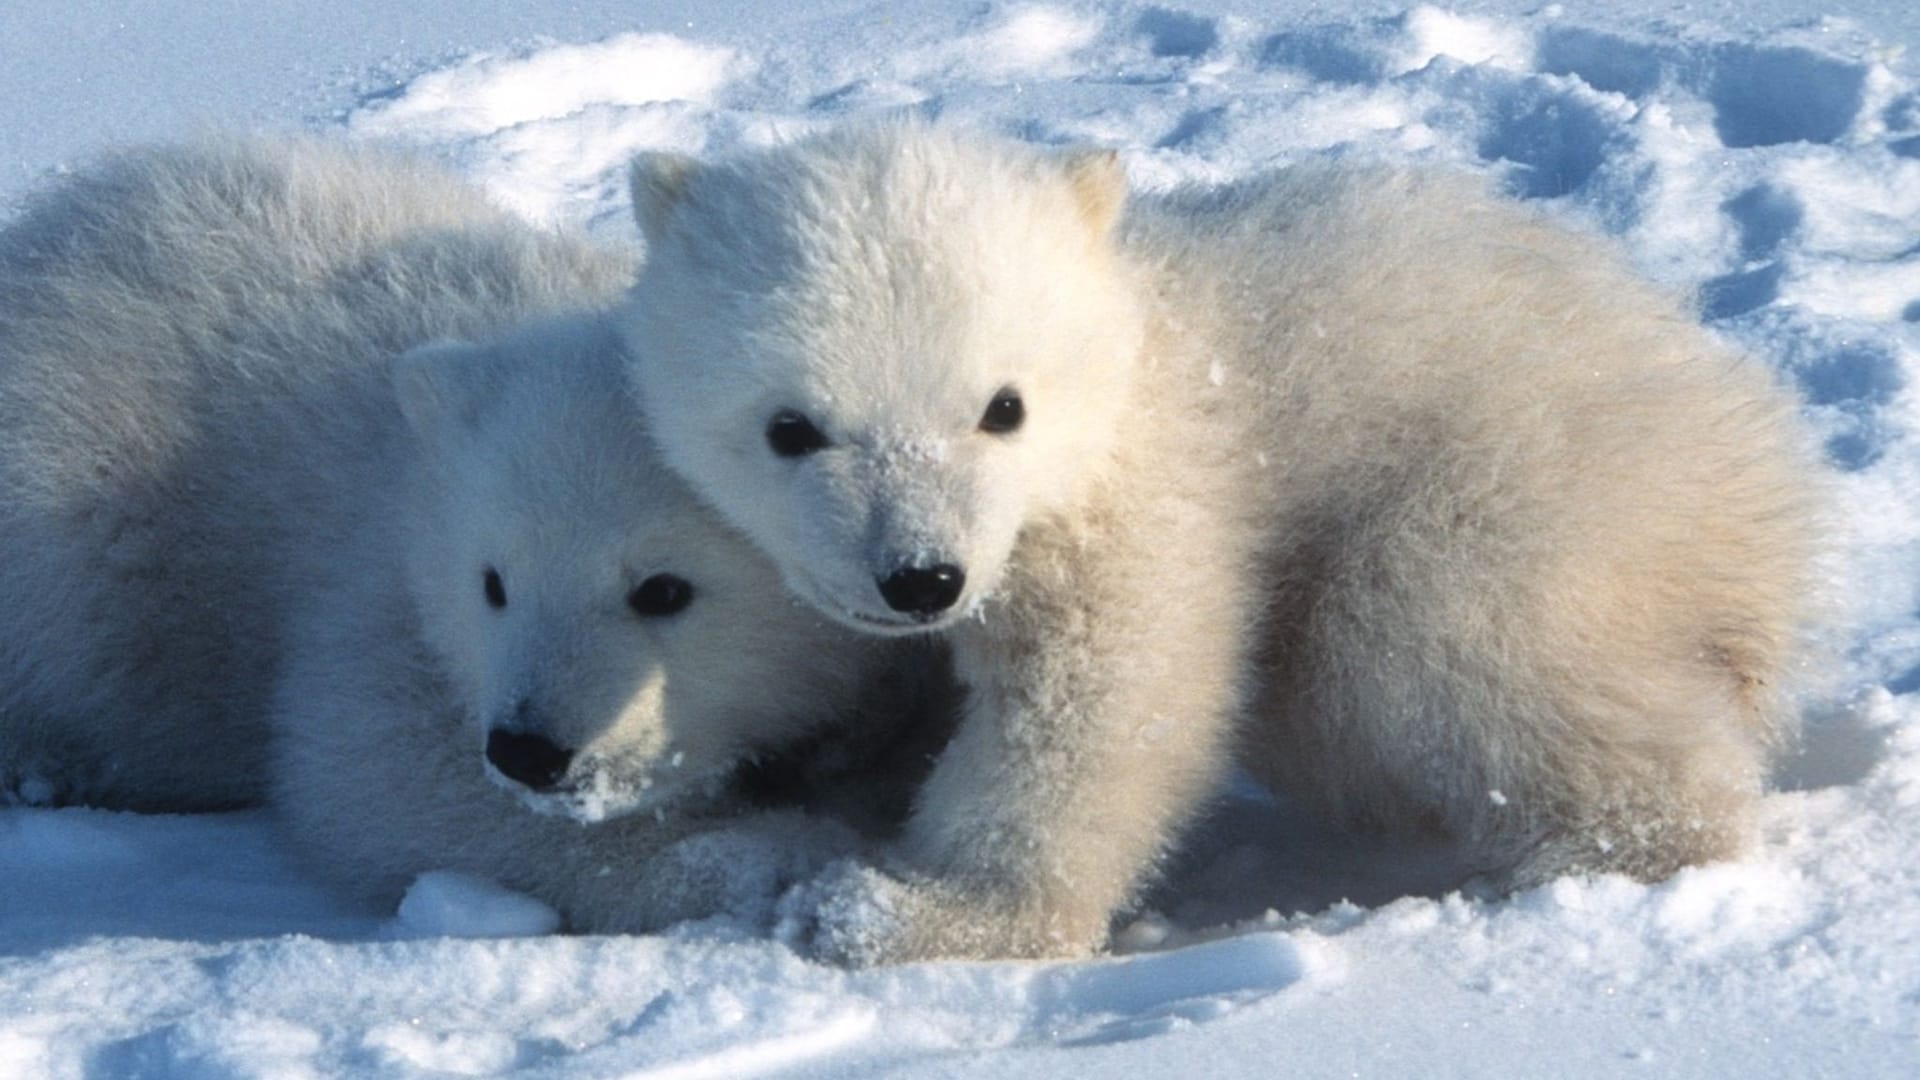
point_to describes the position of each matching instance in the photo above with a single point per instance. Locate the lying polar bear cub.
(534, 581)
(1427, 509)
(448, 586)
(194, 343)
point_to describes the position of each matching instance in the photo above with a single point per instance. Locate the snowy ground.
(1766, 156)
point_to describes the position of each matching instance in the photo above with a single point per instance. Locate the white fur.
(229, 504)
(897, 334)
(521, 457)
(1470, 528)
(193, 349)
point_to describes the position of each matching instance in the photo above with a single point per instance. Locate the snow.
(444, 903)
(486, 94)
(1764, 154)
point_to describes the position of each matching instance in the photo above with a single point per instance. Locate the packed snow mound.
(445, 903)
(1776, 177)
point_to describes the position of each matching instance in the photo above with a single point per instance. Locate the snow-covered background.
(1764, 153)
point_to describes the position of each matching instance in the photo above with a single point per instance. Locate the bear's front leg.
(1101, 690)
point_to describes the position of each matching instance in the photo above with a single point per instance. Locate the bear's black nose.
(532, 760)
(923, 590)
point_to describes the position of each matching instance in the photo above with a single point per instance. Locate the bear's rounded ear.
(443, 386)
(1099, 183)
(657, 179)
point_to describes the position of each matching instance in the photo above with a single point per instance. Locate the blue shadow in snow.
(1192, 128)
(1177, 33)
(1853, 451)
(1859, 375)
(1767, 96)
(1603, 61)
(1330, 53)
(1855, 381)
(1556, 144)
(1767, 217)
(1731, 295)
(1761, 95)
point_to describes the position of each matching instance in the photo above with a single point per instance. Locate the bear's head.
(615, 645)
(881, 351)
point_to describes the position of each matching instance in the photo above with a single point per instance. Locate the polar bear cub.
(1428, 509)
(194, 344)
(532, 584)
(446, 588)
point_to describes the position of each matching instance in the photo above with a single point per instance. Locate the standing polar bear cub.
(1428, 510)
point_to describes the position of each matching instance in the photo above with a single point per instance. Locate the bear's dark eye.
(496, 589)
(793, 435)
(1005, 413)
(661, 594)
